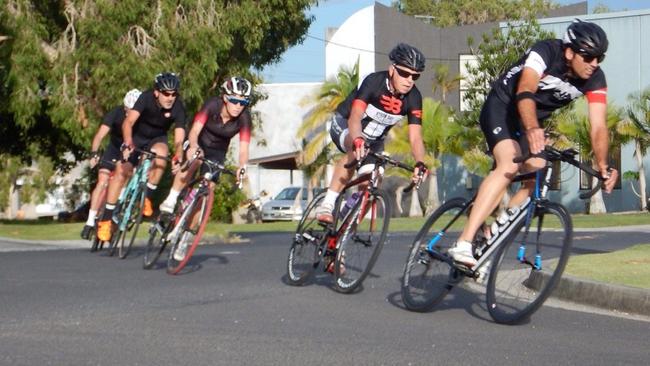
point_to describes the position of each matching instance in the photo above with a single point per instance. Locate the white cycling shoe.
(462, 252)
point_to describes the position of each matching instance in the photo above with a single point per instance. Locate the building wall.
(353, 40)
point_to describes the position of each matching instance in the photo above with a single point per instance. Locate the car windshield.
(289, 194)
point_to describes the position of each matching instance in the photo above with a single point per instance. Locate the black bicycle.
(350, 246)
(524, 260)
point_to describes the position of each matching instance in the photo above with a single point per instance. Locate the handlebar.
(568, 156)
(383, 160)
(149, 154)
(214, 166)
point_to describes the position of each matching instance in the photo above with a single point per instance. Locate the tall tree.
(318, 149)
(572, 123)
(637, 127)
(443, 81)
(63, 64)
(445, 13)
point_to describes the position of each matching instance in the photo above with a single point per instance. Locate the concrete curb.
(612, 297)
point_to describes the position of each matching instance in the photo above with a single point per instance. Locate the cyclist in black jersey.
(549, 76)
(112, 123)
(368, 113)
(145, 127)
(219, 120)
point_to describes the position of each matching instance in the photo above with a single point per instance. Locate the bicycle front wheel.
(527, 267)
(360, 240)
(304, 252)
(191, 231)
(428, 276)
(155, 245)
(135, 218)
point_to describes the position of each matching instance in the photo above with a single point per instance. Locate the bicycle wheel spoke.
(360, 241)
(516, 287)
(428, 277)
(303, 254)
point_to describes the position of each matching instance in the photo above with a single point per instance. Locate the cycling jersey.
(154, 121)
(215, 134)
(382, 109)
(556, 87)
(114, 120)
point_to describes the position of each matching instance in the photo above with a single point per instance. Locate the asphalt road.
(233, 307)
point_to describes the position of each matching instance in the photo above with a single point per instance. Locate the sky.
(306, 62)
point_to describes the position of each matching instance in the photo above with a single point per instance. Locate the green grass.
(630, 267)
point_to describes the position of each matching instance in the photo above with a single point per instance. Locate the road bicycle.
(350, 246)
(523, 261)
(97, 244)
(129, 207)
(184, 229)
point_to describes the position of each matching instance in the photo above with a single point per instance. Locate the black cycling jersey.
(382, 108)
(216, 134)
(556, 87)
(114, 120)
(155, 121)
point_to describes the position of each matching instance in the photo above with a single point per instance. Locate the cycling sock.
(330, 198)
(91, 217)
(172, 197)
(151, 188)
(108, 212)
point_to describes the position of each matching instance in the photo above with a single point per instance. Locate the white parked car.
(285, 207)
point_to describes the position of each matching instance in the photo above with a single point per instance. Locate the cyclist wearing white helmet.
(219, 120)
(112, 123)
(145, 127)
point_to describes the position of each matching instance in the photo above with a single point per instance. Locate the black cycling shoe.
(86, 231)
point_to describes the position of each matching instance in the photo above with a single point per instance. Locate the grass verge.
(630, 267)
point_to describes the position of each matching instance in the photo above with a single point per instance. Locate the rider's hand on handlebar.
(127, 149)
(241, 174)
(419, 173)
(177, 162)
(94, 159)
(536, 139)
(611, 176)
(359, 148)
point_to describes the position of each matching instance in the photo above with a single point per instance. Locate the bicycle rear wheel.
(192, 229)
(519, 284)
(135, 218)
(428, 276)
(361, 240)
(303, 254)
(155, 245)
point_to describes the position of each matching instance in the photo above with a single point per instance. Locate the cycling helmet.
(131, 97)
(407, 56)
(167, 81)
(237, 85)
(586, 38)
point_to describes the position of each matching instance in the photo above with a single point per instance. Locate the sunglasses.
(588, 59)
(242, 102)
(405, 74)
(168, 93)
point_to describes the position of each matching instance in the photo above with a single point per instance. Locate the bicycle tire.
(155, 245)
(135, 219)
(304, 251)
(359, 246)
(427, 278)
(515, 290)
(203, 203)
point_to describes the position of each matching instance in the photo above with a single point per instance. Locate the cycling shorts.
(110, 157)
(500, 121)
(338, 132)
(144, 144)
(214, 155)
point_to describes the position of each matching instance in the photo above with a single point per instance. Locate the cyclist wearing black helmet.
(549, 76)
(145, 127)
(368, 113)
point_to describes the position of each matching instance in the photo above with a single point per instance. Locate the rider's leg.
(95, 202)
(181, 179)
(122, 173)
(340, 178)
(488, 197)
(155, 174)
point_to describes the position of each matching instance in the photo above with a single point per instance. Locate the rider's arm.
(354, 121)
(527, 108)
(417, 144)
(179, 137)
(127, 127)
(244, 141)
(99, 136)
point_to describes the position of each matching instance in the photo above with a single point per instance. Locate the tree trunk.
(642, 188)
(398, 199)
(416, 209)
(433, 202)
(596, 203)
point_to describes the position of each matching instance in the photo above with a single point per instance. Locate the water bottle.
(349, 203)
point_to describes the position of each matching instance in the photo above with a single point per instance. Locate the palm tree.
(317, 150)
(637, 127)
(398, 144)
(443, 81)
(573, 123)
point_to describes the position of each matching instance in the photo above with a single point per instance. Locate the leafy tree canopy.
(447, 13)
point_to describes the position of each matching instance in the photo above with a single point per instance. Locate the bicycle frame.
(139, 177)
